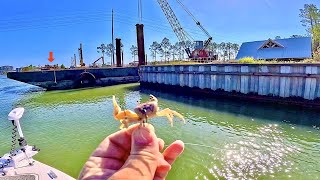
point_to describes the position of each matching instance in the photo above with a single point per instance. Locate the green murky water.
(224, 139)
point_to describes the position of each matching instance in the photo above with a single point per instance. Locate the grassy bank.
(245, 60)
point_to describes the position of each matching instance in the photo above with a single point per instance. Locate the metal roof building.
(291, 48)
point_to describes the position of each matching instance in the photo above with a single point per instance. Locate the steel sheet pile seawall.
(282, 81)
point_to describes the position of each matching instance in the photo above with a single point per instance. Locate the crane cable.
(194, 18)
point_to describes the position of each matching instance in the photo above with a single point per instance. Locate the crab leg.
(121, 125)
(170, 114)
(124, 124)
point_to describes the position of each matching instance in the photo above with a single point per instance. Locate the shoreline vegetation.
(245, 60)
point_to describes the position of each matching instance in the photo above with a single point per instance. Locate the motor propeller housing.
(16, 114)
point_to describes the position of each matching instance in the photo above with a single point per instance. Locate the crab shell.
(147, 110)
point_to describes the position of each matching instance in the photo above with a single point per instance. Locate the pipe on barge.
(292, 84)
(77, 78)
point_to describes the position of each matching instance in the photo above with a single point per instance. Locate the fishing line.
(70, 19)
(65, 24)
(51, 20)
(65, 21)
(79, 14)
(199, 145)
(22, 16)
(163, 24)
(202, 145)
(60, 22)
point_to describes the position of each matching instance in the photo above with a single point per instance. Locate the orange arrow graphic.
(50, 56)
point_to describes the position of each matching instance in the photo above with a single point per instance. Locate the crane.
(94, 63)
(207, 42)
(181, 34)
(82, 64)
(174, 22)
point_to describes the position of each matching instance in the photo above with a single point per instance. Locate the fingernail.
(142, 136)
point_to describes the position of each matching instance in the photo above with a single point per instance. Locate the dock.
(291, 84)
(77, 78)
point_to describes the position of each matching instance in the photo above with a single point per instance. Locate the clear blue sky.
(30, 29)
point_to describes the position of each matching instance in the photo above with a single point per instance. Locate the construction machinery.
(94, 65)
(82, 64)
(200, 48)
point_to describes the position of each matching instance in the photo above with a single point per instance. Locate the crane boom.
(174, 22)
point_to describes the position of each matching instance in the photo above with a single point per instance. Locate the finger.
(173, 151)
(116, 145)
(113, 150)
(144, 140)
(162, 169)
(110, 155)
(170, 154)
(161, 144)
(144, 152)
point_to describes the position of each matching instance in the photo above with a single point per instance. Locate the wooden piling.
(140, 43)
(118, 52)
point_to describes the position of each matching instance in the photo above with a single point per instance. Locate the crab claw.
(125, 117)
(152, 98)
(116, 107)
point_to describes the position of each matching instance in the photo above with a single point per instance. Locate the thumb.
(144, 151)
(144, 140)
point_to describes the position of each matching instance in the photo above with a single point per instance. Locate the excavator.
(200, 50)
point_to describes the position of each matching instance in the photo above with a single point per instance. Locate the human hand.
(132, 153)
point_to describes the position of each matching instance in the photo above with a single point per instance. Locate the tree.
(161, 54)
(109, 51)
(134, 51)
(277, 37)
(106, 49)
(165, 46)
(213, 47)
(235, 48)
(222, 47)
(28, 68)
(174, 50)
(316, 38)
(154, 48)
(228, 48)
(181, 51)
(310, 15)
(62, 66)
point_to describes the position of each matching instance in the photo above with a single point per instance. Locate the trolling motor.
(15, 116)
(18, 157)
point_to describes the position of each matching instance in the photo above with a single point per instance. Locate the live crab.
(143, 112)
